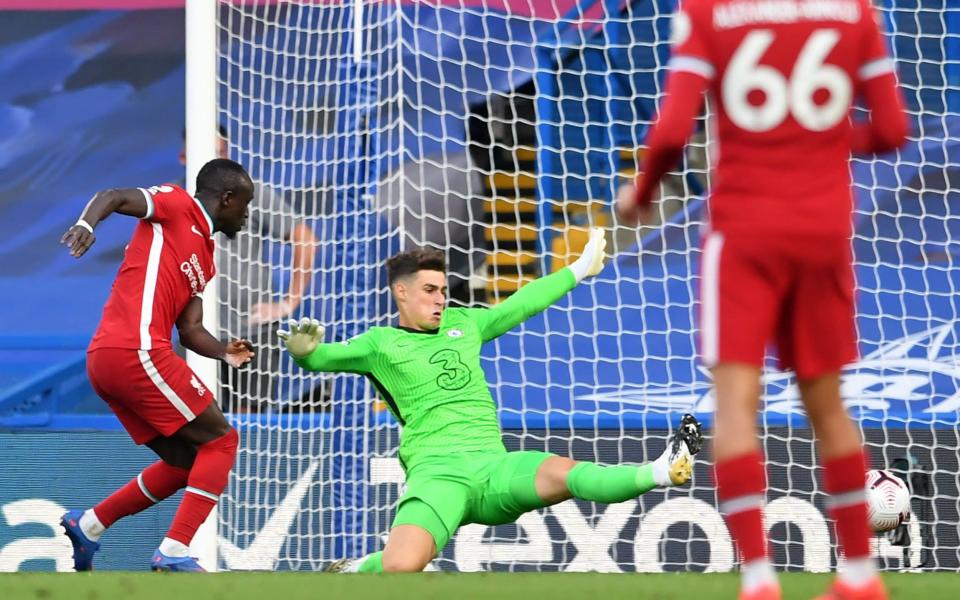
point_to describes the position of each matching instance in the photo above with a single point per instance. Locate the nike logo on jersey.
(194, 229)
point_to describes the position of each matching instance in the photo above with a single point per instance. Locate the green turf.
(446, 586)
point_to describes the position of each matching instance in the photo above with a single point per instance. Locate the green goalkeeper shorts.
(491, 489)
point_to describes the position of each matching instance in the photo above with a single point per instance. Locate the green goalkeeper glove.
(591, 260)
(302, 338)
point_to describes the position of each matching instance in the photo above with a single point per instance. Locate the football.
(888, 500)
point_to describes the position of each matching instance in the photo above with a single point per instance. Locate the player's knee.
(224, 445)
(403, 563)
(214, 462)
(229, 441)
(222, 429)
(552, 479)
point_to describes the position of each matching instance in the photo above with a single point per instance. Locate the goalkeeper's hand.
(591, 260)
(302, 338)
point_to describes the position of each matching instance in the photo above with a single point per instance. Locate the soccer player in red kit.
(777, 264)
(132, 366)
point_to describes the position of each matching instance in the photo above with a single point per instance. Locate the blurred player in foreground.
(428, 371)
(131, 364)
(777, 264)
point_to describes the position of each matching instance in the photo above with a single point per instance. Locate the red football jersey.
(783, 75)
(168, 261)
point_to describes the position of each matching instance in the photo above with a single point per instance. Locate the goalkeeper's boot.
(162, 563)
(764, 592)
(874, 590)
(683, 444)
(343, 565)
(83, 547)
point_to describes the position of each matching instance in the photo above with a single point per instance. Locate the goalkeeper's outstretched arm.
(304, 342)
(537, 295)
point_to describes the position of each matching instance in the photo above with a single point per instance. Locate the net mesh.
(499, 132)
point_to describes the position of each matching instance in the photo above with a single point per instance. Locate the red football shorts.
(794, 291)
(152, 392)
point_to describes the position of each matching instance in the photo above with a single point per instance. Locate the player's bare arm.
(678, 113)
(304, 243)
(126, 201)
(194, 336)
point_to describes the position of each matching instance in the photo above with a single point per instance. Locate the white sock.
(173, 548)
(757, 573)
(91, 525)
(858, 572)
(661, 470)
(354, 566)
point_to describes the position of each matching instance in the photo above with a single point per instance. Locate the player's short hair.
(411, 261)
(223, 175)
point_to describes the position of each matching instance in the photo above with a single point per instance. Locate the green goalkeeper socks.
(589, 481)
(372, 563)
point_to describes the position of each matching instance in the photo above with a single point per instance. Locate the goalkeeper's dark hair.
(411, 261)
(222, 175)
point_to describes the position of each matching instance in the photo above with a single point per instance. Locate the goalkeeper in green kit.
(428, 371)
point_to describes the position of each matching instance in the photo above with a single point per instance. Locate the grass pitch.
(435, 586)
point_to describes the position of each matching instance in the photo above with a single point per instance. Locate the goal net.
(499, 132)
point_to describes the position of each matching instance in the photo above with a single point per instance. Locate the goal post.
(200, 144)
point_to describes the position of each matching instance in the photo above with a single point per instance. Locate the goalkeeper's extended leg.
(371, 563)
(416, 534)
(429, 514)
(559, 478)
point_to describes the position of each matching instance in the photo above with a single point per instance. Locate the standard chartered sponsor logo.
(194, 272)
(188, 271)
(196, 265)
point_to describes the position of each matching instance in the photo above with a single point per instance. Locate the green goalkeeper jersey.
(432, 380)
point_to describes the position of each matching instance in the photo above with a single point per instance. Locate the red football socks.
(155, 483)
(844, 478)
(206, 482)
(741, 490)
